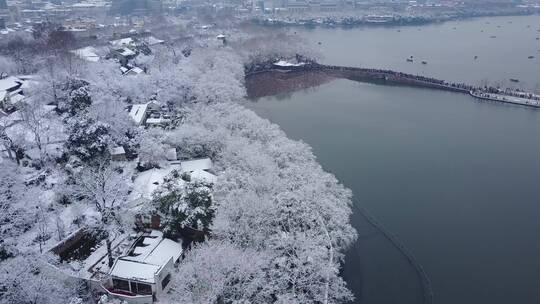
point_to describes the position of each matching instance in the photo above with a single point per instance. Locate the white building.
(10, 93)
(139, 112)
(118, 154)
(143, 274)
(131, 71)
(198, 169)
(87, 53)
(124, 42)
(151, 41)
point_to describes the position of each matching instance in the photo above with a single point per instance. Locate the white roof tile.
(136, 271)
(196, 164)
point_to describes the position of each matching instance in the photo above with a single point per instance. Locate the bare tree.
(60, 227)
(7, 66)
(105, 188)
(42, 229)
(35, 119)
(7, 142)
(10, 144)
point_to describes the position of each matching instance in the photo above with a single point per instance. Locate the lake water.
(456, 179)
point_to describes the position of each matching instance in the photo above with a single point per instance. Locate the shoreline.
(348, 22)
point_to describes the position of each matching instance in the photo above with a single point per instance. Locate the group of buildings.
(299, 6)
(143, 260)
(88, 14)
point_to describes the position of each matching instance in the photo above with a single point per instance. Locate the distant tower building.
(4, 14)
(155, 6)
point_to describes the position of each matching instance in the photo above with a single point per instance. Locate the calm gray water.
(458, 180)
(449, 48)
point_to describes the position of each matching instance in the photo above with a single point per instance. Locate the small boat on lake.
(409, 60)
(475, 57)
(530, 57)
(424, 62)
(514, 80)
(493, 37)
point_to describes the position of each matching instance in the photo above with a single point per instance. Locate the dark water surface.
(458, 180)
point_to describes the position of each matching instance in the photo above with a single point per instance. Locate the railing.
(129, 297)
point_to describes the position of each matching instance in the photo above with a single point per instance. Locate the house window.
(144, 289)
(165, 281)
(121, 284)
(133, 286)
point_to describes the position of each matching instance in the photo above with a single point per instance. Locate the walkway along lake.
(453, 177)
(265, 77)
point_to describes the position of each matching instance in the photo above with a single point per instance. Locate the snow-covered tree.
(7, 66)
(76, 101)
(12, 144)
(234, 276)
(105, 188)
(184, 204)
(11, 193)
(87, 139)
(36, 120)
(28, 280)
(151, 149)
(275, 197)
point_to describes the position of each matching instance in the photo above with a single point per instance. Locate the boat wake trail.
(427, 290)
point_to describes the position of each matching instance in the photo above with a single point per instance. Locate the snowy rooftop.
(126, 52)
(9, 83)
(11, 118)
(164, 251)
(148, 259)
(156, 250)
(283, 63)
(157, 121)
(118, 151)
(16, 98)
(87, 53)
(138, 112)
(204, 176)
(153, 40)
(122, 42)
(135, 271)
(197, 164)
(136, 70)
(148, 181)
